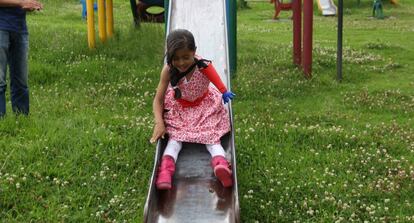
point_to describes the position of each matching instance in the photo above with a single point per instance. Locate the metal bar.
(134, 12)
(339, 50)
(166, 9)
(297, 31)
(307, 37)
(101, 20)
(109, 18)
(231, 8)
(91, 24)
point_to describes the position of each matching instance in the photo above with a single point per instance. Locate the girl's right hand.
(159, 132)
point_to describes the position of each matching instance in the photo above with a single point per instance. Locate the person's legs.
(172, 149)
(4, 52)
(220, 165)
(216, 150)
(167, 166)
(18, 73)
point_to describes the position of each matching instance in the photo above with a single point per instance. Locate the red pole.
(297, 31)
(307, 37)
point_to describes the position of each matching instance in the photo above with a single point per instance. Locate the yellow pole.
(109, 18)
(91, 23)
(101, 20)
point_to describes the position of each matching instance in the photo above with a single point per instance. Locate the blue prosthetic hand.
(227, 96)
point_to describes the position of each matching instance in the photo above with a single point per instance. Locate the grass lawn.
(309, 150)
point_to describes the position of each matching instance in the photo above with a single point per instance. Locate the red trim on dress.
(196, 102)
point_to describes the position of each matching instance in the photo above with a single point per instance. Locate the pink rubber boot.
(165, 172)
(222, 170)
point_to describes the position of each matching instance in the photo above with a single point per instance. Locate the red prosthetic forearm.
(214, 77)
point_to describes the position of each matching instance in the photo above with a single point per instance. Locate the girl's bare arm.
(158, 105)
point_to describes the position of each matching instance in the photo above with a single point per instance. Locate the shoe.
(222, 170)
(165, 172)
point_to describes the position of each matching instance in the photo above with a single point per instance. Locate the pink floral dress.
(203, 123)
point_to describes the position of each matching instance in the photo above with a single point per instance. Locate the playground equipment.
(141, 13)
(281, 5)
(339, 40)
(83, 2)
(302, 56)
(377, 10)
(105, 21)
(327, 7)
(394, 2)
(196, 195)
(302, 48)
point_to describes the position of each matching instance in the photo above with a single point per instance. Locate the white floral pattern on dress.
(205, 123)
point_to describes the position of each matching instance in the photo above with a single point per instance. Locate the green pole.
(231, 9)
(134, 12)
(166, 7)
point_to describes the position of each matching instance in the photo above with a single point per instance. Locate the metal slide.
(197, 196)
(327, 7)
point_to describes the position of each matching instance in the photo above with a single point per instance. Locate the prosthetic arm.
(213, 76)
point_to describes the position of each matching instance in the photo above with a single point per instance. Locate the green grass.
(308, 150)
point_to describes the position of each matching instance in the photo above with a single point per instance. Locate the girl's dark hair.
(179, 39)
(176, 40)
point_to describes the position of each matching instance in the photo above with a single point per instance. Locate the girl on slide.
(188, 109)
